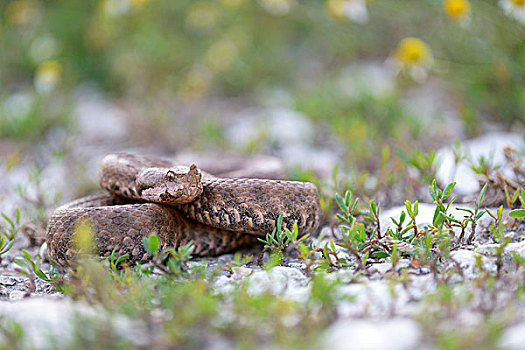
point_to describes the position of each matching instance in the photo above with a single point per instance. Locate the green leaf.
(332, 245)
(438, 221)
(408, 205)
(402, 217)
(6, 248)
(416, 208)
(354, 206)
(340, 202)
(303, 238)
(518, 258)
(342, 218)
(6, 218)
(325, 252)
(380, 254)
(348, 198)
(152, 244)
(279, 223)
(448, 190)
(482, 193)
(373, 207)
(517, 213)
(465, 210)
(480, 214)
(121, 258)
(362, 233)
(21, 262)
(432, 190)
(436, 213)
(295, 231)
(26, 254)
(42, 275)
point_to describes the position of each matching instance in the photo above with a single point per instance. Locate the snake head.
(176, 185)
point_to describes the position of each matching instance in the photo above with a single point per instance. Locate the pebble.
(491, 249)
(16, 295)
(380, 334)
(467, 260)
(489, 146)
(514, 337)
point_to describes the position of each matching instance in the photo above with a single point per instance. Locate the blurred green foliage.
(193, 50)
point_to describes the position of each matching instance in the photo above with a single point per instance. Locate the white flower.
(514, 9)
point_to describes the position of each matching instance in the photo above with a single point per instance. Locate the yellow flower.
(47, 75)
(412, 52)
(202, 15)
(457, 9)
(336, 9)
(221, 56)
(518, 2)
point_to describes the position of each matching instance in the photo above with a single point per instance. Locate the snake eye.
(170, 175)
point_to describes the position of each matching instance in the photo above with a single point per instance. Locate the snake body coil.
(219, 215)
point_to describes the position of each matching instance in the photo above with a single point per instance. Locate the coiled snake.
(179, 204)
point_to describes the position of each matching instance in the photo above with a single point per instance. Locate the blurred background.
(369, 88)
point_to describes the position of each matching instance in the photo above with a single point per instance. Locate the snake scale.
(180, 204)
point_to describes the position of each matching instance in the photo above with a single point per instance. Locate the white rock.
(43, 317)
(286, 281)
(16, 295)
(491, 249)
(241, 272)
(224, 284)
(396, 333)
(489, 146)
(514, 337)
(467, 261)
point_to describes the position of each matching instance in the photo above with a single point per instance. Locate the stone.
(17, 295)
(281, 280)
(393, 334)
(489, 146)
(514, 337)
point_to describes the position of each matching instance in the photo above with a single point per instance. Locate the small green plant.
(519, 194)
(238, 261)
(33, 267)
(171, 261)
(472, 218)
(497, 228)
(372, 217)
(426, 164)
(116, 262)
(278, 241)
(484, 166)
(413, 211)
(7, 234)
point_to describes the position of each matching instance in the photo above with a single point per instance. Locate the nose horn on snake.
(193, 169)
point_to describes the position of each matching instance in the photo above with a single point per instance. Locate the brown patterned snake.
(179, 204)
